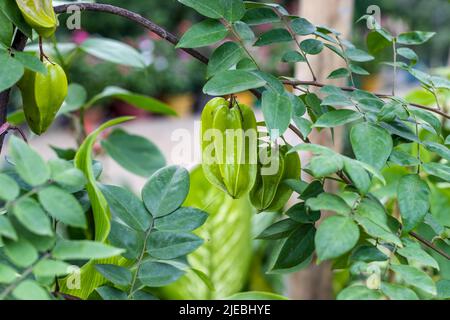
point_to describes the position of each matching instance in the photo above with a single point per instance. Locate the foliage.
(394, 194)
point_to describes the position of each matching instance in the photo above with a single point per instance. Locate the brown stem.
(430, 245)
(19, 43)
(380, 95)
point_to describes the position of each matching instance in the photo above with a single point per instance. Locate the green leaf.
(224, 57)
(426, 116)
(415, 254)
(12, 12)
(142, 295)
(358, 70)
(83, 161)
(277, 110)
(298, 247)
(439, 149)
(438, 170)
(413, 200)
(414, 37)
(322, 166)
(258, 16)
(336, 235)
(232, 81)
(134, 153)
(6, 30)
(358, 55)
(114, 51)
(68, 177)
(279, 230)
(337, 118)
(255, 295)
(21, 252)
(110, 293)
(368, 253)
(443, 289)
(158, 274)
(62, 206)
(203, 34)
(301, 214)
(358, 292)
(416, 278)
(9, 189)
(371, 144)
(76, 98)
(311, 46)
(166, 190)
(358, 175)
(372, 217)
(127, 207)
(233, 10)
(64, 154)
(31, 215)
(378, 40)
(244, 31)
(30, 61)
(11, 71)
(314, 148)
(51, 268)
(273, 36)
(170, 245)
(83, 249)
(208, 8)
(337, 100)
(293, 56)
(6, 228)
(122, 236)
(30, 290)
(137, 100)
(118, 275)
(403, 159)
(16, 118)
(398, 292)
(330, 202)
(28, 163)
(302, 27)
(272, 6)
(339, 73)
(183, 219)
(7, 274)
(408, 54)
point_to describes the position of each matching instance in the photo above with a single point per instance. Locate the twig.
(4, 128)
(430, 245)
(286, 22)
(19, 43)
(380, 95)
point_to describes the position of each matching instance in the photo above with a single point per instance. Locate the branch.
(166, 35)
(153, 27)
(380, 95)
(19, 43)
(430, 245)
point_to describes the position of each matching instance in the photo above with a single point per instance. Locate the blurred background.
(175, 78)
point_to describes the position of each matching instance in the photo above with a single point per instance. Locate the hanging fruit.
(229, 146)
(43, 95)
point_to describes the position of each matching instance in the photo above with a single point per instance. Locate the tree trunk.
(315, 282)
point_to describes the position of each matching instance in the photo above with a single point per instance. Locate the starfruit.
(269, 192)
(229, 146)
(43, 96)
(39, 15)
